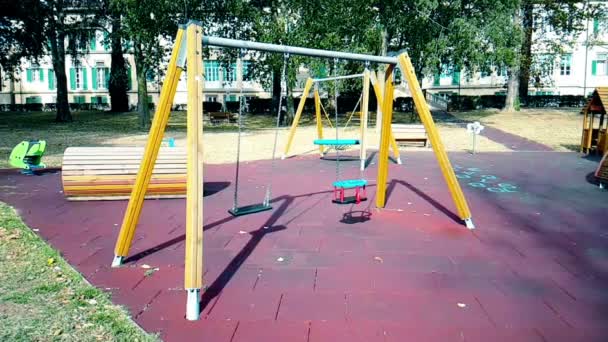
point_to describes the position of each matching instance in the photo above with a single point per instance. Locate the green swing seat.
(336, 142)
(350, 183)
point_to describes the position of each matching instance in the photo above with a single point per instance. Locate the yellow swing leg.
(193, 281)
(296, 119)
(159, 123)
(444, 163)
(379, 98)
(385, 135)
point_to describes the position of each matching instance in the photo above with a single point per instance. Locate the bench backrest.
(400, 129)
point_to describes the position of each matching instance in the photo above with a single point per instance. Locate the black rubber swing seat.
(249, 209)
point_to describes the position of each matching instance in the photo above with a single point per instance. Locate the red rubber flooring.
(535, 269)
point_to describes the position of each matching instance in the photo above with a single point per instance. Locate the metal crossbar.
(295, 50)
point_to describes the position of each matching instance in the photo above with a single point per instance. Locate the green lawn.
(94, 128)
(42, 298)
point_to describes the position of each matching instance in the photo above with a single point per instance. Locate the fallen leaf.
(57, 332)
(280, 259)
(92, 301)
(242, 232)
(378, 259)
(462, 305)
(146, 266)
(50, 261)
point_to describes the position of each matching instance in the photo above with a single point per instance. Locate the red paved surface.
(534, 270)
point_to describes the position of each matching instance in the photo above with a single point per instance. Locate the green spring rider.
(27, 156)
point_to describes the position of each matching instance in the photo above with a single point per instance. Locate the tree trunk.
(512, 90)
(142, 90)
(276, 90)
(289, 99)
(119, 82)
(56, 38)
(526, 48)
(513, 83)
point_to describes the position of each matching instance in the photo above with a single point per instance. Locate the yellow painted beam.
(193, 272)
(379, 98)
(159, 123)
(318, 119)
(425, 116)
(296, 119)
(364, 113)
(385, 135)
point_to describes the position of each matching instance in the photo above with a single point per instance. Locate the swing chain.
(276, 131)
(336, 115)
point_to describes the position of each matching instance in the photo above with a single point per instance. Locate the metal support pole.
(334, 78)
(294, 50)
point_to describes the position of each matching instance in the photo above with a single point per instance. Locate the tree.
(148, 26)
(552, 27)
(33, 28)
(119, 79)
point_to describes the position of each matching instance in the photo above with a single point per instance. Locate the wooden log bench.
(108, 173)
(410, 134)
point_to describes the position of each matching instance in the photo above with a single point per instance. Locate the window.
(100, 76)
(502, 71)
(229, 72)
(246, 70)
(598, 66)
(33, 99)
(565, 66)
(212, 71)
(211, 98)
(80, 99)
(52, 79)
(34, 74)
(99, 100)
(78, 78)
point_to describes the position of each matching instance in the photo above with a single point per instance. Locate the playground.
(505, 243)
(533, 270)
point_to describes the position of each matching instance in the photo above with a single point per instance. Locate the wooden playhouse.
(594, 137)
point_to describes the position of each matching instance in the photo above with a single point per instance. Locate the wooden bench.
(217, 117)
(410, 134)
(108, 173)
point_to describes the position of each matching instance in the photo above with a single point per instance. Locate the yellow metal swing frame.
(188, 51)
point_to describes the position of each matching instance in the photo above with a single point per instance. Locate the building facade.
(576, 72)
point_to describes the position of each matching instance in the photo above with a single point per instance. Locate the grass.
(42, 298)
(95, 128)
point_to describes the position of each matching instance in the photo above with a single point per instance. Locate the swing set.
(187, 53)
(363, 104)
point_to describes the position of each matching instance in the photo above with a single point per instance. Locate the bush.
(464, 103)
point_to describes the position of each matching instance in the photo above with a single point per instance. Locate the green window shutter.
(84, 78)
(594, 68)
(28, 74)
(106, 77)
(104, 99)
(94, 78)
(93, 42)
(596, 26)
(436, 80)
(41, 74)
(51, 78)
(106, 40)
(130, 86)
(72, 78)
(455, 77)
